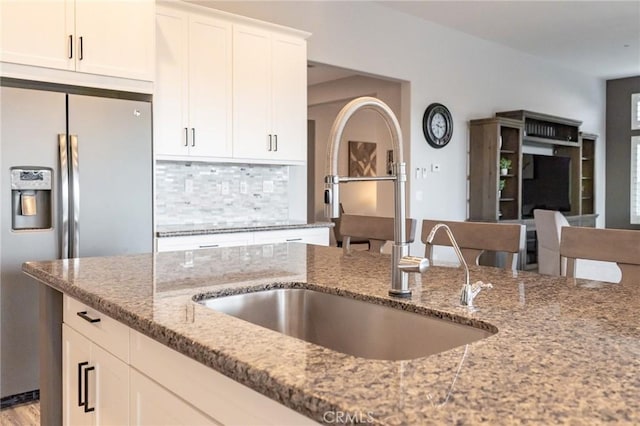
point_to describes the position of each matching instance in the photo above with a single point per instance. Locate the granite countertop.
(182, 230)
(566, 351)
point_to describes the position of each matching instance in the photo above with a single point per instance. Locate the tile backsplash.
(220, 193)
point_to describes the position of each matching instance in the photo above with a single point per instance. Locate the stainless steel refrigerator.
(76, 181)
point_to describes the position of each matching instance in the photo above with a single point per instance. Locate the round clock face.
(437, 125)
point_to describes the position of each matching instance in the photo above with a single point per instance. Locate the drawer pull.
(86, 317)
(209, 246)
(293, 239)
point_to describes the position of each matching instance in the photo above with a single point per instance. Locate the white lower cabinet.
(195, 242)
(153, 405)
(147, 383)
(317, 236)
(224, 400)
(95, 383)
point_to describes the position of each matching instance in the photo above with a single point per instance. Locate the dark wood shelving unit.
(587, 184)
(504, 137)
(492, 139)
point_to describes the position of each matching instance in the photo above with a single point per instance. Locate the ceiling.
(600, 38)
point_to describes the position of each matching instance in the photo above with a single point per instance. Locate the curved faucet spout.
(365, 102)
(468, 291)
(400, 249)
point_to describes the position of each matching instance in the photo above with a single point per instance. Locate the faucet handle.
(479, 285)
(413, 264)
(470, 291)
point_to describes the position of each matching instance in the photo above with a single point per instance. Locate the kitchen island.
(566, 351)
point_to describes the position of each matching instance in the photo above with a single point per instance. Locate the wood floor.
(21, 415)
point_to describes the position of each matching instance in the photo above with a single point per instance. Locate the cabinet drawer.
(196, 242)
(318, 236)
(104, 331)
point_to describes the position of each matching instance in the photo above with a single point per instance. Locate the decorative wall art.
(362, 159)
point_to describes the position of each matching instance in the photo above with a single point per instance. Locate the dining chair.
(621, 246)
(549, 224)
(474, 238)
(375, 229)
(337, 231)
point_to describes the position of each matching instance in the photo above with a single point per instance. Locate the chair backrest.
(474, 238)
(610, 245)
(549, 224)
(378, 230)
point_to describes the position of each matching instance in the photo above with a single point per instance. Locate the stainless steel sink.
(347, 325)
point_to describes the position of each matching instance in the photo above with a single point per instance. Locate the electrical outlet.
(188, 186)
(267, 186)
(243, 187)
(225, 188)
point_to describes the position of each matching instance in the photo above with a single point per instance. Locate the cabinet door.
(170, 93)
(108, 388)
(251, 92)
(210, 87)
(289, 97)
(115, 39)
(76, 350)
(37, 33)
(103, 388)
(152, 404)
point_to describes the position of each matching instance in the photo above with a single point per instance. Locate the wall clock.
(437, 125)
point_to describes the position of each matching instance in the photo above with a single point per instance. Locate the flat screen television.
(546, 183)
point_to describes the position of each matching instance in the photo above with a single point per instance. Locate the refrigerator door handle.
(64, 182)
(75, 194)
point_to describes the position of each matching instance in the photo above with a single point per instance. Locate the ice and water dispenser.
(31, 195)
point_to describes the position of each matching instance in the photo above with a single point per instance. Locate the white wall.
(325, 101)
(473, 77)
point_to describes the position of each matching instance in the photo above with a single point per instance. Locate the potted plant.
(505, 165)
(500, 188)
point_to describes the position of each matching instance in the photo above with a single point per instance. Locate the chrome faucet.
(401, 262)
(468, 292)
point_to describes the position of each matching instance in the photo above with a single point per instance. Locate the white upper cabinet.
(37, 33)
(106, 38)
(192, 112)
(115, 38)
(289, 97)
(228, 88)
(269, 95)
(251, 93)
